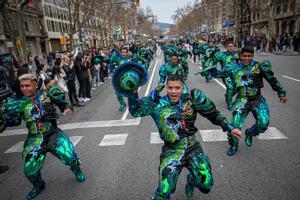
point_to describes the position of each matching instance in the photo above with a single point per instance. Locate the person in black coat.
(67, 66)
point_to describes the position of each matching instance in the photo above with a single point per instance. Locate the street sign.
(9, 44)
(118, 30)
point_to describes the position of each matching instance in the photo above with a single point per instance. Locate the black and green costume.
(44, 136)
(175, 123)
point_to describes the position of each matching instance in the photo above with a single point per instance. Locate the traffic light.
(18, 44)
(137, 2)
(63, 40)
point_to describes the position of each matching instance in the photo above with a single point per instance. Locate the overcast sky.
(164, 9)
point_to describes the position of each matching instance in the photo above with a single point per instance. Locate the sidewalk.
(287, 53)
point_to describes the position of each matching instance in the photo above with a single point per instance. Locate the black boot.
(248, 138)
(3, 168)
(37, 188)
(77, 171)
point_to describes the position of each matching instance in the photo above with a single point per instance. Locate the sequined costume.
(147, 55)
(44, 136)
(168, 49)
(248, 82)
(224, 58)
(166, 70)
(175, 123)
(183, 56)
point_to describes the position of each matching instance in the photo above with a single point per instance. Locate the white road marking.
(113, 139)
(271, 133)
(221, 84)
(15, 148)
(151, 79)
(213, 135)
(19, 146)
(290, 78)
(94, 124)
(75, 139)
(155, 139)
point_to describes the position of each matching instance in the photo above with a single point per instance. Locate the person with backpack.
(42, 74)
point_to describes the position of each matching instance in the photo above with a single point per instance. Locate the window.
(48, 25)
(285, 6)
(52, 26)
(292, 8)
(61, 27)
(50, 11)
(45, 10)
(31, 24)
(278, 10)
(26, 26)
(57, 27)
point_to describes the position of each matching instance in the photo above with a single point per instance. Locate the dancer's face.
(230, 47)
(28, 87)
(174, 90)
(174, 59)
(124, 53)
(246, 58)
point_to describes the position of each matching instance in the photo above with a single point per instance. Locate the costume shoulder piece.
(57, 95)
(266, 66)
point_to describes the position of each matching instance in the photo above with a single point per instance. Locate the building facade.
(20, 29)
(275, 17)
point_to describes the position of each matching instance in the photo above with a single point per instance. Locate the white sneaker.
(93, 88)
(101, 83)
(80, 99)
(109, 77)
(87, 99)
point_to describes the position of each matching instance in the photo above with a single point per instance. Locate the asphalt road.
(270, 169)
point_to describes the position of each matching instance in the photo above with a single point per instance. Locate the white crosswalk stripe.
(218, 135)
(75, 139)
(15, 148)
(215, 135)
(272, 134)
(113, 139)
(19, 146)
(155, 139)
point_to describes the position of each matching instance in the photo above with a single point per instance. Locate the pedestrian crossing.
(109, 140)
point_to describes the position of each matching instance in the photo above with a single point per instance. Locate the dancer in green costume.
(37, 109)
(175, 116)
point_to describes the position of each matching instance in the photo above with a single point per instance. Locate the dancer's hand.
(236, 133)
(68, 111)
(135, 90)
(283, 99)
(160, 87)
